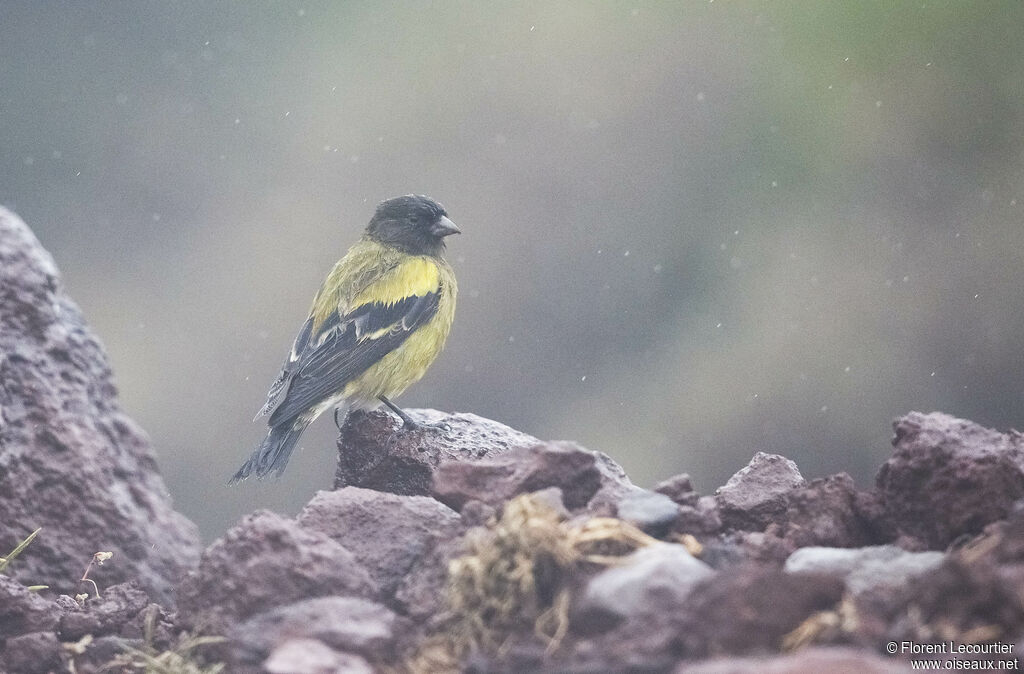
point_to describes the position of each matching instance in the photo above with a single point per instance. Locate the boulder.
(264, 562)
(71, 461)
(393, 537)
(948, 477)
(375, 452)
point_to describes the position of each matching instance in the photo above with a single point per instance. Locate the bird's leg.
(407, 421)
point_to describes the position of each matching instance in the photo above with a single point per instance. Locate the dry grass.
(181, 659)
(512, 580)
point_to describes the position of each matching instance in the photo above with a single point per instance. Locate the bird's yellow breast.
(414, 276)
(404, 366)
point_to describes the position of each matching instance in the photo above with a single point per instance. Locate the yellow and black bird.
(377, 323)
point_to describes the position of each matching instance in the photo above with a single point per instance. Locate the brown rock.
(391, 536)
(748, 609)
(976, 591)
(72, 462)
(948, 477)
(376, 453)
(264, 562)
(825, 512)
(679, 488)
(579, 473)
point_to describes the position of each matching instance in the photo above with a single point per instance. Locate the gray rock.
(33, 653)
(757, 493)
(342, 623)
(117, 606)
(650, 511)
(865, 568)
(309, 656)
(71, 461)
(655, 579)
(22, 611)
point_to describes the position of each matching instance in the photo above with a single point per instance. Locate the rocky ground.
(480, 548)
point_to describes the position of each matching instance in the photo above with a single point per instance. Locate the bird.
(377, 323)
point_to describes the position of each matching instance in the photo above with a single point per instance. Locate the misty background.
(692, 231)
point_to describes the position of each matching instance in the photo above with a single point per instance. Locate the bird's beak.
(444, 227)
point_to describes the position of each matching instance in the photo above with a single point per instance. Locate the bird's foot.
(410, 424)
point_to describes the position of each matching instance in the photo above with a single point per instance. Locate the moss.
(512, 580)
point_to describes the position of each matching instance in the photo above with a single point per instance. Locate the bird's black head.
(414, 224)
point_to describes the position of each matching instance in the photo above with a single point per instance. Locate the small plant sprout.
(4, 561)
(98, 560)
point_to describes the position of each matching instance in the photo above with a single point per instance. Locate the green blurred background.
(692, 230)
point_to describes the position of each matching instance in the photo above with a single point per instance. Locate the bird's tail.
(274, 452)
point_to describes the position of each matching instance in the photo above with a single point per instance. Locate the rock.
(579, 473)
(72, 462)
(376, 453)
(342, 623)
(757, 493)
(863, 569)
(679, 488)
(391, 536)
(701, 518)
(825, 512)
(470, 459)
(615, 485)
(100, 651)
(32, 653)
(109, 614)
(976, 590)
(748, 609)
(264, 562)
(649, 511)
(309, 656)
(22, 611)
(477, 514)
(948, 477)
(654, 579)
(807, 661)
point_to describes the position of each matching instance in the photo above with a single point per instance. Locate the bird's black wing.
(345, 346)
